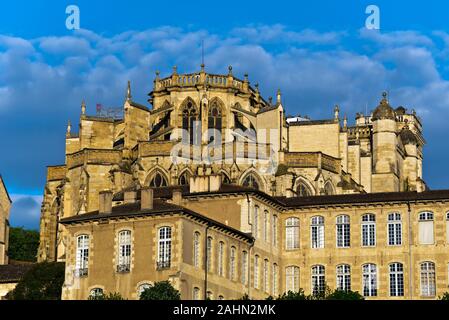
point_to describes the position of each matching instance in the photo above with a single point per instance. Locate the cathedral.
(219, 191)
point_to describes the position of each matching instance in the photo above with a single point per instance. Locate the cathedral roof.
(407, 136)
(383, 110)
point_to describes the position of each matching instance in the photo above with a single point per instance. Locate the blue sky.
(317, 52)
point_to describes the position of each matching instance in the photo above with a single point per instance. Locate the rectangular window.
(265, 275)
(124, 254)
(426, 232)
(256, 222)
(395, 233)
(265, 226)
(274, 235)
(275, 280)
(396, 280)
(256, 272)
(209, 254)
(82, 256)
(343, 232)
(368, 234)
(317, 232)
(220, 259)
(232, 264)
(244, 267)
(164, 248)
(196, 249)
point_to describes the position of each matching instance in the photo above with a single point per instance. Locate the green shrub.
(161, 291)
(42, 282)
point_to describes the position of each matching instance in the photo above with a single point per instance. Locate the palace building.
(217, 190)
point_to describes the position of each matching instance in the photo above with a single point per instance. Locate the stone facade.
(5, 207)
(259, 147)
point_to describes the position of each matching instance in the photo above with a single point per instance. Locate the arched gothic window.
(251, 182)
(303, 190)
(184, 179)
(225, 179)
(158, 181)
(189, 117)
(328, 189)
(214, 123)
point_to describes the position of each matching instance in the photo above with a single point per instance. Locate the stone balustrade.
(312, 160)
(93, 156)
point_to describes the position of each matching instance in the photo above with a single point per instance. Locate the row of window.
(369, 279)
(96, 292)
(123, 258)
(264, 226)
(368, 230)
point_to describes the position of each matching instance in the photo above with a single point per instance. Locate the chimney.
(130, 196)
(105, 205)
(177, 196)
(205, 183)
(146, 198)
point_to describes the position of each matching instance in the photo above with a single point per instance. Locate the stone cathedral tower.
(258, 146)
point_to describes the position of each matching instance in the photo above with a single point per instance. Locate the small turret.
(278, 96)
(383, 110)
(128, 92)
(69, 129)
(337, 112)
(83, 108)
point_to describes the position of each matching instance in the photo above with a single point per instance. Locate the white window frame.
(256, 272)
(209, 253)
(368, 230)
(221, 248)
(426, 218)
(244, 267)
(256, 222)
(196, 249)
(292, 233)
(396, 279)
(265, 275)
(394, 229)
(344, 277)
(292, 279)
(275, 280)
(266, 225)
(96, 292)
(164, 247)
(124, 251)
(428, 279)
(232, 263)
(317, 235)
(318, 279)
(82, 255)
(196, 293)
(369, 280)
(343, 231)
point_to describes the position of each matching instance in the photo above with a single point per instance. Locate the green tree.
(290, 295)
(344, 295)
(23, 244)
(109, 296)
(42, 282)
(161, 291)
